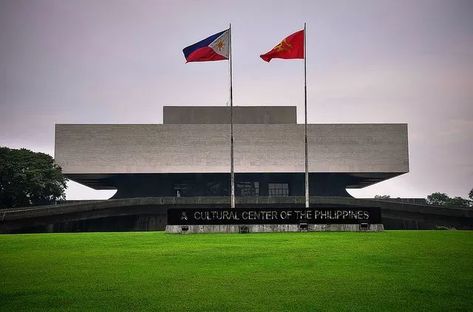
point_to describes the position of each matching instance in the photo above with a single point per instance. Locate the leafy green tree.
(438, 199)
(29, 178)
(458, 202)
(442, 199)
(382, 196)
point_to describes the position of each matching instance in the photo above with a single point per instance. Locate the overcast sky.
(368, 61)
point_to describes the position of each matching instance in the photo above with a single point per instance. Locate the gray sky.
(368, 61)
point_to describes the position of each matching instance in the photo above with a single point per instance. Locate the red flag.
(292, 47)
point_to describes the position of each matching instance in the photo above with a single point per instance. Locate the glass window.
(247, 188)
(278, 189)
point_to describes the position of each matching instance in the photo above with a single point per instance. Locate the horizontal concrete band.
(221, 115)
(205, 148)
(268, 228)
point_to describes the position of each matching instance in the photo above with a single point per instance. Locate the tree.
(458, 202)
(29, 178)
(382, 197)
(438, 199)
(470, 195)
(442, 199)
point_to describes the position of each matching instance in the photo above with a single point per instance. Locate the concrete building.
(189, 154)
(184, 163)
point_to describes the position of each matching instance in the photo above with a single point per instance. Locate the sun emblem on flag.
(220, 44)
(283, 46)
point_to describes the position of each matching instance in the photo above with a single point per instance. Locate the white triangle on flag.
(221, 45)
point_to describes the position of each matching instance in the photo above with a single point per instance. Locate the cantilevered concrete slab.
(269, 147)
(205, 148)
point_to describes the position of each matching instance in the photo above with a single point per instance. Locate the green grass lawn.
(392, 270)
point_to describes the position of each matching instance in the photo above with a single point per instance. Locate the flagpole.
(305, 124)
(232, 171)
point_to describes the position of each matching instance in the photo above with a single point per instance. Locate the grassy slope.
(398, 270)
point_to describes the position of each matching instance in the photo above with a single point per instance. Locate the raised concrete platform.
(269, 228)
(150, 214)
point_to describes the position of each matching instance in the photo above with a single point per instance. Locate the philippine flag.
(214, 48)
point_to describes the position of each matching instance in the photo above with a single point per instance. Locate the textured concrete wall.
(204, 148)
(221, 115)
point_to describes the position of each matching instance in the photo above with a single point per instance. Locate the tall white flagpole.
(232, 171)
(305, 124)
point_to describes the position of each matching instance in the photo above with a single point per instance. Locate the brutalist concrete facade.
(189, 155)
